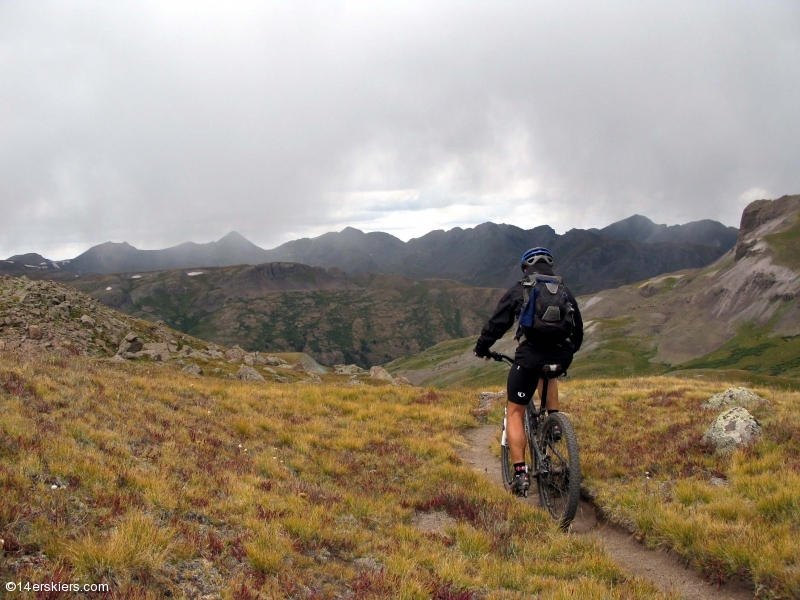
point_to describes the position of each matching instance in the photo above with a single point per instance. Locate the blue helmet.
(535, 255)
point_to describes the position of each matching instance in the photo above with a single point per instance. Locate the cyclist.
(530, 356)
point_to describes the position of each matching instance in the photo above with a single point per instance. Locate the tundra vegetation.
(161, 483)
(646, 467)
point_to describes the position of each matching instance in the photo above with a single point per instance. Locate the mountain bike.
(553, 450)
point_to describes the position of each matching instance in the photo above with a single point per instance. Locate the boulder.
(381, 374)
(400, 380)
(249, 374)
(732, 429)
(347, 369)
(131, 344)
(235, 354)
(193, 369)
(35, 332)
(279, 379)
(157, 351)
(311, 366)
(87, 321)
(274, 361)
(734, 397)
(2, 345)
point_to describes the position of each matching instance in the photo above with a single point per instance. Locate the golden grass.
(162, 484)
(643, 460)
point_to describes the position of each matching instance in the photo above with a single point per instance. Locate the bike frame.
(531, 422)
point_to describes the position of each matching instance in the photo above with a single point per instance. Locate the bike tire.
(559, 477)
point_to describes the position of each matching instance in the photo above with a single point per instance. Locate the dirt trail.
(664, 569)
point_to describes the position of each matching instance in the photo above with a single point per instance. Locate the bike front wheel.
(559, 468)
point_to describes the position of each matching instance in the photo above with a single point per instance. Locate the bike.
(553, 449)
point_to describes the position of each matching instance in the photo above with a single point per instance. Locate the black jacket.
(530, 354)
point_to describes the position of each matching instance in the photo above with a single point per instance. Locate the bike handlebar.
(501, 357)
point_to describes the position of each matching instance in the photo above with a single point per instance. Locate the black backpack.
(546, 314)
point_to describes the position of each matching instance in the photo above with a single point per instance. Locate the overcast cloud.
(165, 122)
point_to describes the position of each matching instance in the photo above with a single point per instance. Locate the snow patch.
(108, 289)
(193, 273)
(136, 276)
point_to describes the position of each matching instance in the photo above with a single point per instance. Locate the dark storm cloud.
(158, 123)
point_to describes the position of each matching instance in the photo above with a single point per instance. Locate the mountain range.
(485, 256)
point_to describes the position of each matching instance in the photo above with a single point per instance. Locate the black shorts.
(522, 383)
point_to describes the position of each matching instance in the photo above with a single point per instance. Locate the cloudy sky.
(157, 123)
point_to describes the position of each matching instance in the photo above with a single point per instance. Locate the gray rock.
(131, 344)
(381, 374)
(87, 321)
(274, 361)
(734, 397)
(249, 374)
(402, 381)
(193, 369)
(279, 379)
(347, 369)
(235, 354)
(732, 429)
(157, 351)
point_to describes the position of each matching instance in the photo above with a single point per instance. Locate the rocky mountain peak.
(764, 217)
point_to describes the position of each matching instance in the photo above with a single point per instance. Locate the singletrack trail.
(664, 569)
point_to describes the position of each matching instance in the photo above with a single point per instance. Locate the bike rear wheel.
(559, 471)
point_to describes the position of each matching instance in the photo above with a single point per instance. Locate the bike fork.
(504, 440)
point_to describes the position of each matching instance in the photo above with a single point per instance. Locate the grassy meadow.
(645, 466)
(167, 485)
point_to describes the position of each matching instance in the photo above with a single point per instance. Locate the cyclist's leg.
(552, 393)
(520, 389)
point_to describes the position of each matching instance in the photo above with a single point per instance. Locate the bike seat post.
(545, 381)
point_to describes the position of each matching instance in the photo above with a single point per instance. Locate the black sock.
(520, 467)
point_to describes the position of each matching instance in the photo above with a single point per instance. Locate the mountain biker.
(530, 356)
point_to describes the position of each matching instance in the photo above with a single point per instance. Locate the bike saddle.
(552, 371)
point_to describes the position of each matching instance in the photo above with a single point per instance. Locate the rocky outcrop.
(38, 316)
(193, 369)
(732, 429)
(246, 373)
(733, 397)
(131, 344)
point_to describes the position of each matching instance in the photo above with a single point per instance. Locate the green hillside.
(281, 307)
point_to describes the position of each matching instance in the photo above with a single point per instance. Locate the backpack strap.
(527, 283)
